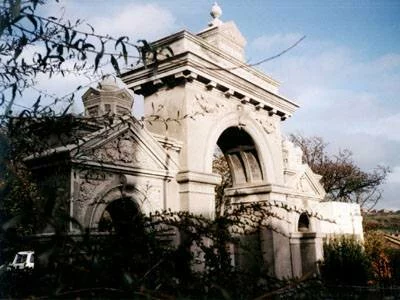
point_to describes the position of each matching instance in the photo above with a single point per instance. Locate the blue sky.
(345, 75)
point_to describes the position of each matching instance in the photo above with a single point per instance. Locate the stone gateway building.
(203, 96)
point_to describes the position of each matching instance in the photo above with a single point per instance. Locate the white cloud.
(387, 62)
(337, 89)
(387, 126)
(275, 42)
(350, 100)
(394, 176)
(137, 21)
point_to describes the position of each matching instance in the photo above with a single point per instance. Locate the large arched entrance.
(240, 152)
(237, 162)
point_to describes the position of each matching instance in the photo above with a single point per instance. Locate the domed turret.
(110, 97)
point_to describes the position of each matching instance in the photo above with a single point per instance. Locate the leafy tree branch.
(342, 178)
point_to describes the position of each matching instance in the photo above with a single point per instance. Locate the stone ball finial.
(215, 13)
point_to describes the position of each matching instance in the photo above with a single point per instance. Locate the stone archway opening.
(236, 160)
(303, 223)
(241, 155)
(121, 216)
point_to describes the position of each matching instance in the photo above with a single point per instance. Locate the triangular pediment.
(306, 182)
(126, 146)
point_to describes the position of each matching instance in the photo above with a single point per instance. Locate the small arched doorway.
(303, 223)
(121, 216)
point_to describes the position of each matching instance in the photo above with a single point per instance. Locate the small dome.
(111, 96)
(111, 83)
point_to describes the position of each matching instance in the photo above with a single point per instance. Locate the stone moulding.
(185, 176)
(238, 88)
(189, 57)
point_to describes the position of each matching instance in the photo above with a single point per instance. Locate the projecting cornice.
(196, 59)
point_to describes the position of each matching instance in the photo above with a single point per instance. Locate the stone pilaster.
(197, 192)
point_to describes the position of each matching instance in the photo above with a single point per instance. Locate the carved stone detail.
(89, 181)
(267, 123)
(86, 190)
(118, 150)
(203, 106)
(124, 150)
(303, 185)
(150, 198)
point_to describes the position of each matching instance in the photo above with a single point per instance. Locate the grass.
(385, 221)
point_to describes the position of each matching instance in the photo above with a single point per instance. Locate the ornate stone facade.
(203, 96)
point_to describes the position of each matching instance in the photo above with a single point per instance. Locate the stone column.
(306, 251)
(295, 255)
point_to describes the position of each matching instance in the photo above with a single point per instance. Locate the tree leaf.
(35, 106)
(120, 41)
(98, 57)
(124, 53)
(33, 20)
(169, 50)
(115, 65)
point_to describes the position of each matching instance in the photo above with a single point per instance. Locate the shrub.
(345, 262)
(394, 258)
(375, 247)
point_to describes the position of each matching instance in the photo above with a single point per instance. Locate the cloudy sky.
(345, 75)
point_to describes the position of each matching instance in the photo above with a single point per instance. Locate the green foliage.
(394, 260)
(345, 262)
(142, 261)
(134, 263)
(220, 166)
(17, 192)
(375, 248)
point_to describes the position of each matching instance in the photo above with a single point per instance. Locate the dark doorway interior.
(120, 216)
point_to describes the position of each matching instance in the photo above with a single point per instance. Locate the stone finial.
(215, 13)
(224, 35)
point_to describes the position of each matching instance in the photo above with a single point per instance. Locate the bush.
(394, 258)
(142, 263)
(345, 262)
(375, 247)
